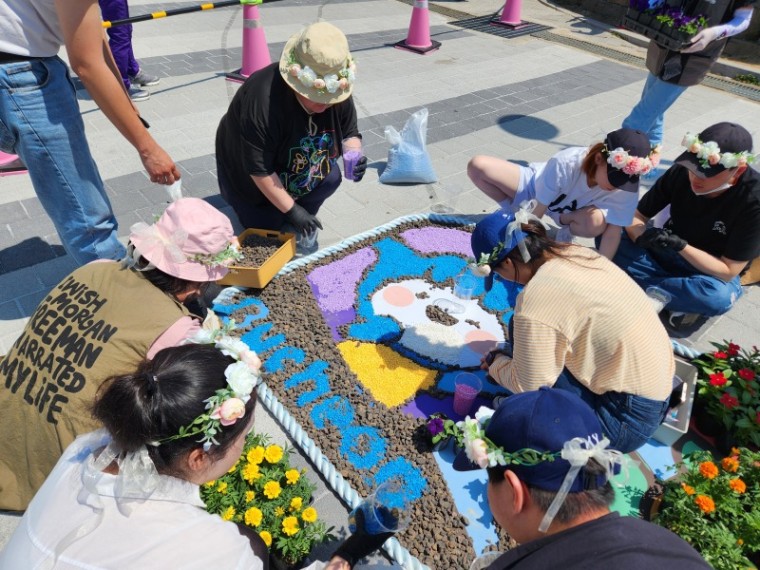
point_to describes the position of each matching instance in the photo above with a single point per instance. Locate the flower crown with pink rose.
(227, 405)
(330, 83)
(708, 153)
(633, 165)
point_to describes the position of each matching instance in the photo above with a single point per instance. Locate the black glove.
(360, 543)
(303, 221)
(648, 239)
(669, 240)
(360, 168)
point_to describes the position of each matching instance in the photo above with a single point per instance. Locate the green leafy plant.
(712, 505)
(264, 492)
(748, 78)
(727, 380)
(441, 427)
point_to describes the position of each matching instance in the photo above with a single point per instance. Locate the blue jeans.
(40, 122)
(628, 421)
(690, 290)
(648, 114)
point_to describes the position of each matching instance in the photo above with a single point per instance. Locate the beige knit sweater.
(586, 314)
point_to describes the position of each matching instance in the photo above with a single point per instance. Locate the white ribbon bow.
(162, 247)
(577, 452)
(523, 215)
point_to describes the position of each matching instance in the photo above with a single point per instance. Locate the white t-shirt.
(561, 185)
(30, 27)
(169, 530)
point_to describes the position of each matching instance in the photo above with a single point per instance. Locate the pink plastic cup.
(466, 388)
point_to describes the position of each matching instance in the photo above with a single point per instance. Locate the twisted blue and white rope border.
(344, 490)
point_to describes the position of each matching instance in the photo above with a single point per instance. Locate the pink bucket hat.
(191, 240)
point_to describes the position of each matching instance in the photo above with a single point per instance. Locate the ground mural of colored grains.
(375, 301)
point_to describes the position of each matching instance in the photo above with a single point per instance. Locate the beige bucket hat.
(317, 64)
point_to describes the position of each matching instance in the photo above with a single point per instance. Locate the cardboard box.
(258, 277)
(676, 422)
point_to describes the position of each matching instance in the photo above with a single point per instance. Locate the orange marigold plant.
(710, 503)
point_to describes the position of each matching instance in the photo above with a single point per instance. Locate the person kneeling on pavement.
(277, 146)
(549, 469)
(714, 226)
(103, 319)
(580, 324)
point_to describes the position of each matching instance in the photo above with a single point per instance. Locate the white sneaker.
(143, 79)
(137, 94)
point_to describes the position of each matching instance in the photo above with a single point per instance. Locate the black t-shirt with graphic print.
(266, 131)
(727, 225)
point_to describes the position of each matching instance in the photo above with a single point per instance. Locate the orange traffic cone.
(510, 15)
(418, 39)
(255, 48)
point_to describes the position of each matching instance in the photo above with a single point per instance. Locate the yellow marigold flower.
(296, 503)
(290, 526)
(255, 455)
(705, 503)
(292, 476)
(708, 469)
(730, 464)
(279, 511)
(736, 451)
(309, 514)
(273, 453)
(688, 489)
(266, 536)
(740, 542)
(228, 513)
(253, 516)
(222, 487)
(737, 485)
(210, 484)
(272, 489)
(232, 469)
(249, 496)
(251, 472)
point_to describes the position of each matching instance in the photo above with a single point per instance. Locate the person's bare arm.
(83, 35)
(610, 241)
(720, 267)
(637, 227)
(271, 186)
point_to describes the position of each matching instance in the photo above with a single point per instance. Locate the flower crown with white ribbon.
(227, 405)
(709, 153)
(330, 83)
(485, 453)
(633, 165)
(523, 215)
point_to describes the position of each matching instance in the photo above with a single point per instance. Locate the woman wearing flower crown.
(278, 145)
(102, 319)
(588, 192)
(127, 496)
(579, 324)
(714, 226)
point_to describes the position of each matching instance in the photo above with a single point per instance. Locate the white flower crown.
(709, 153)
(634, 165)
(227, 405)
(330, 83)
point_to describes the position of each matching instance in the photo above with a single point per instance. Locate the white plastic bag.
(408, 160)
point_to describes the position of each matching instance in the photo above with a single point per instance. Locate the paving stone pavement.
(522, 98)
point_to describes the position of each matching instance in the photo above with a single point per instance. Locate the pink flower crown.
(634, 165)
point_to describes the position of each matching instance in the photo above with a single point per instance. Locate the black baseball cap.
(729, 137)
(636, 144)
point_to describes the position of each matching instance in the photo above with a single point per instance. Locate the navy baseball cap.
(489, 239)
(542, 420)
(636, 144)
(729, 137)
